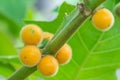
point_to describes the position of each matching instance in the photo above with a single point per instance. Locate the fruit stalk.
(117, 10)
(71, 25)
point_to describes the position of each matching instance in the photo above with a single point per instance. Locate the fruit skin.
(31, 34)
(48, 66)
(64, 55)
(47, 35)
(103, 19)
(30, 55)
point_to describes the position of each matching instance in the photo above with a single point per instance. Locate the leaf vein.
(87, 57)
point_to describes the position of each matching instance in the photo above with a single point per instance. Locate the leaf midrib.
(88, 55)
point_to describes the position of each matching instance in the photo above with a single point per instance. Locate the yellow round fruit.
(64, 55)
(48, 66)
(31, 34)
(103, 19)
(47, 35)
(30, 55)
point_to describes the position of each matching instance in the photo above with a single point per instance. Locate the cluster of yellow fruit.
(103, 19)
(31, 55)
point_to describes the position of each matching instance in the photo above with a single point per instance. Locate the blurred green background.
(49, 14)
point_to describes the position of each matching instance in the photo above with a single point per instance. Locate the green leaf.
(8, 26)
(12, 60)
(12, 13)
(6, 47)
(95, 54)
(6, 69)
(73, 2)
(8, 56)
(13, 9)
(65, 9)
(110, 4)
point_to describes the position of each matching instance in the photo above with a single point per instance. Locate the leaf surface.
(96, 55)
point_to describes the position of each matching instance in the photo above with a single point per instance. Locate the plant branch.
(22, 73)
(92, 4)
(117, 10)
(69, 27)
(71, 24)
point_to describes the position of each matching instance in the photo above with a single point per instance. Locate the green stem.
(22, 73)
(92, 4)
(70, 26)
(117, 10)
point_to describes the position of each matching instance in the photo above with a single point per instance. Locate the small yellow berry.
(31, 34)
(48, 66)
(103, 19)
(64, 54)
(47, 35)
(30, 55)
